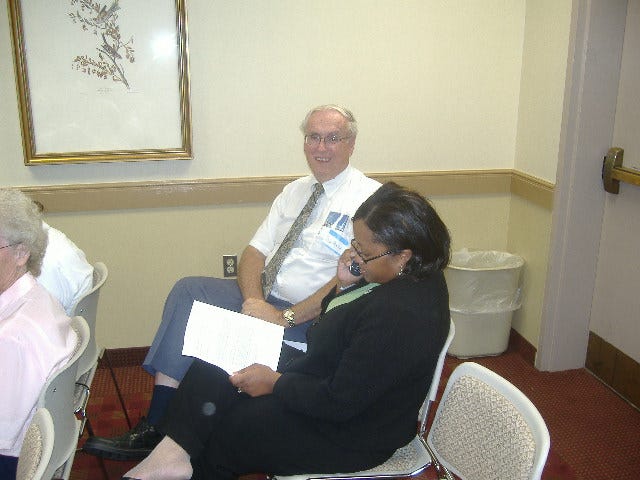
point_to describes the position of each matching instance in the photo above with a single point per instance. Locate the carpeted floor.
(594, 433)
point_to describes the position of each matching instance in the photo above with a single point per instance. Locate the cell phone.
(354, 268)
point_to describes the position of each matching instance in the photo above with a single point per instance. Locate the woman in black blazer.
(353, 398)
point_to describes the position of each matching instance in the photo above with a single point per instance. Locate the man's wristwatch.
(290, 317)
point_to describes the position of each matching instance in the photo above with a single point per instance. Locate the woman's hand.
(345, 277)
(255, 380)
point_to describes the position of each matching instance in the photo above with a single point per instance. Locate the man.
(65, 270)
(304, 277)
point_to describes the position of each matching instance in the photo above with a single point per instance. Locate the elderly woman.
(353, 398)
(35, 333)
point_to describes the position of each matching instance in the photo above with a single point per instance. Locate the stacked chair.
(87, 307)
(57, 397)
(52, 438)
(37, 447)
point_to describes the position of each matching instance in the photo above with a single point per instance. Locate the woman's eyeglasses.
(367, 260)
(10, 245)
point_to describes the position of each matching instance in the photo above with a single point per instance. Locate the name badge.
(332, 232)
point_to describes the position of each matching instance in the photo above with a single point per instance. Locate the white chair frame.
(487, 429)
(57, 396)
(87, 307)
(37, 447)
(407, 461)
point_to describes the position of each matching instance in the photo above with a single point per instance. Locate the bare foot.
(168, 461)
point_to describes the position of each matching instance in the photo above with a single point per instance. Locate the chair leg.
(105, 357)
(442, 471)
(87, 424)
(103, 468)
(89, 427)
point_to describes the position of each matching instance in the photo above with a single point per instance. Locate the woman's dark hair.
(400, 218)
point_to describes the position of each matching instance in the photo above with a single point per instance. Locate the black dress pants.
(8, 467)
(227, 433)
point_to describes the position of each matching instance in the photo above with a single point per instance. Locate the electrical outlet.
(230, 265)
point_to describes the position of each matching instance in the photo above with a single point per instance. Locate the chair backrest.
(37, 447)
(57, 396)
(87, 307)
(435, 381)
(485, 428)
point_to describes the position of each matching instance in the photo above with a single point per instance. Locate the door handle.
(613, 172)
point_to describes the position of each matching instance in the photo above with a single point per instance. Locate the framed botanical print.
(102, 80)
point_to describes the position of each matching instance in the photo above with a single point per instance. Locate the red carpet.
(594, 433)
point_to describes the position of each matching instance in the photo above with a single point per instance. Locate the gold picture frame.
(102, 80)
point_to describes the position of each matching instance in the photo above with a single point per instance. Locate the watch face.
(289, 315)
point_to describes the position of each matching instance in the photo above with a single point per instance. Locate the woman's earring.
(401, 270)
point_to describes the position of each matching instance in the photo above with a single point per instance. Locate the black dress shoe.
(136, 444)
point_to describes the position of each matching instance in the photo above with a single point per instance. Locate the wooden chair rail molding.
(179, 193)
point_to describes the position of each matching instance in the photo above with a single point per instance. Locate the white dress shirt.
(313, 259)
(65, 270)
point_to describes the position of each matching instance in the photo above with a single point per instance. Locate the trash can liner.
(484, 281)
(484, 290)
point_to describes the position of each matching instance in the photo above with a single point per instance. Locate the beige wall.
(459, 86)
(529, 230)
(147, 250)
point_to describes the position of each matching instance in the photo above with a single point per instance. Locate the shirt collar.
(331, 186)
(19, 288)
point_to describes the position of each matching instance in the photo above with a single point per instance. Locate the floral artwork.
(101, 21)
(121, 89)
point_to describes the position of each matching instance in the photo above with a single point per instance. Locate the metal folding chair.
(408, 461)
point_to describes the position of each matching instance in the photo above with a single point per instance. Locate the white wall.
(542, 87)
(434, 84)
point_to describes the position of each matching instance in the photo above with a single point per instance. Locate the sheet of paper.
(297, 345)
(231, 340)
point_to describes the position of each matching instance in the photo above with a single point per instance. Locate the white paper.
(231, 340)
(297, 345)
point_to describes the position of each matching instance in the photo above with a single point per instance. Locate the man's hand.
(256, 307)
(255, 380)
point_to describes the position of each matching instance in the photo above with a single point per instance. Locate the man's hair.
(352, 124)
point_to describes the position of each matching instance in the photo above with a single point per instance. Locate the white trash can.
(484, 291)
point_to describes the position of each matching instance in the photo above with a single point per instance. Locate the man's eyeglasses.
(367, 260)
(10, 245)
(314, 139)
